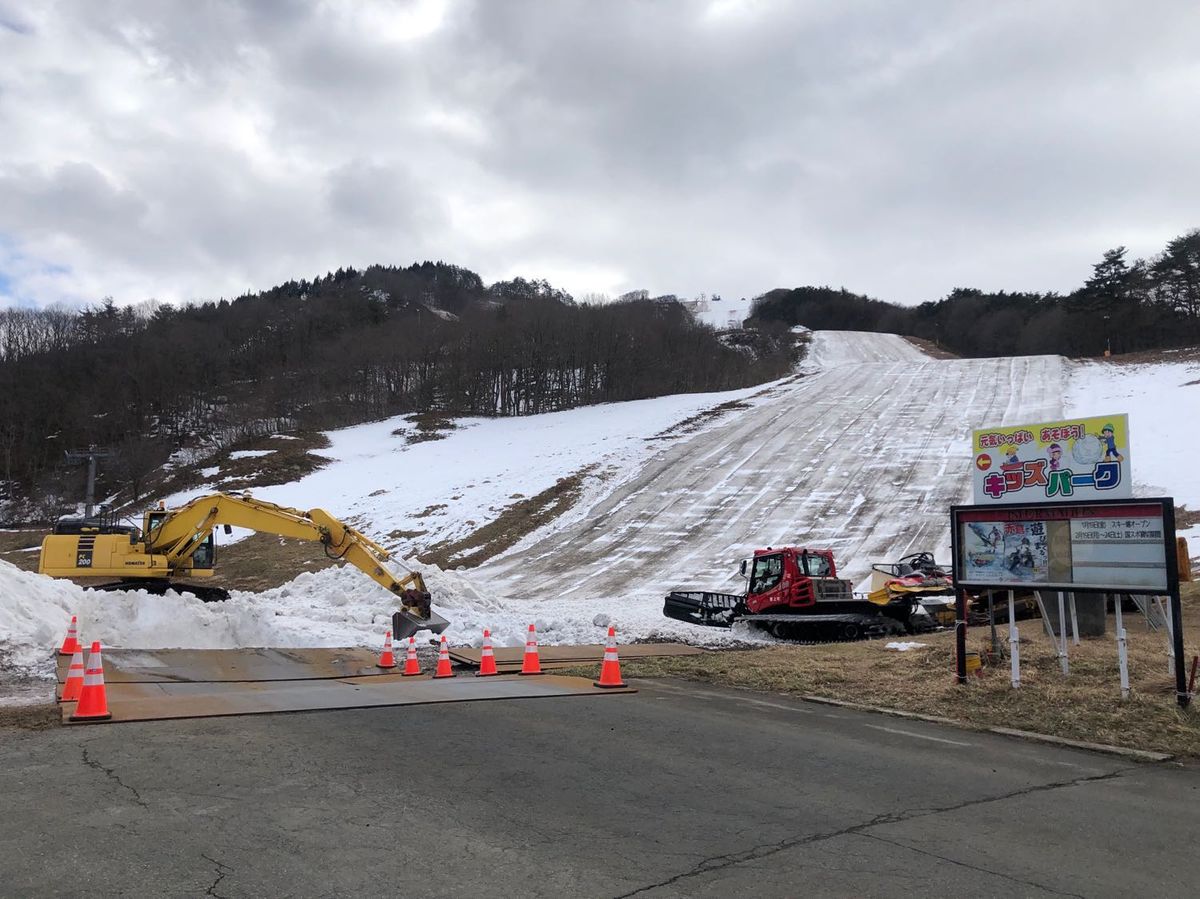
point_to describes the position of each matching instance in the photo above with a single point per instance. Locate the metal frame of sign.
(1062, 511)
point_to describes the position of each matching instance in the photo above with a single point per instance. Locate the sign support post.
(1063, 661)
(1014, 641)
(1122, 647)
(1182, 696)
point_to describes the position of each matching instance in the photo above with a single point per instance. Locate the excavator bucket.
(405, 624)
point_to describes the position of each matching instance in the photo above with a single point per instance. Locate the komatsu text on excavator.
(178, 543)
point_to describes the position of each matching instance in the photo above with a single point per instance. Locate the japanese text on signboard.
(1082, 459)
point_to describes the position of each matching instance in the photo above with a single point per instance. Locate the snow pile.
(37, 609)
(904, 645)
(333, 607)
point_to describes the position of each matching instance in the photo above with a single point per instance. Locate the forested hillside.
(1144, 305)
(348, 347)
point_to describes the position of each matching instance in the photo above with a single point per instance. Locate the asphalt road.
(680, 790)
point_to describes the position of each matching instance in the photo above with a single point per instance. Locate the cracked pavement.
(678, 791)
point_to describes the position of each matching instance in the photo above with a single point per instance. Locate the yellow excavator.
(178, 543)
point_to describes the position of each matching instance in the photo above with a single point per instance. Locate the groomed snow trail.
(864, 457)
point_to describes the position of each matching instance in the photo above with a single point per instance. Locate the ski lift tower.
(91, 456)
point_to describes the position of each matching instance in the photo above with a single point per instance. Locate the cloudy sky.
(187, 150)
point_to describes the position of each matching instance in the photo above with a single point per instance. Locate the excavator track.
(158, 587)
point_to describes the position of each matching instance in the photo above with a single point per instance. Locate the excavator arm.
(178, 535)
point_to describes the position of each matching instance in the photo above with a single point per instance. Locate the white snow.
(832, 348)
(1163, 403)
(445, 489)
(249, 454)
(721, 314)
(903, 645)
(863, 455)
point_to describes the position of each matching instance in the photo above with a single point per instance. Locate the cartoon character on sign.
(1011, 457)
(1111, 453)
(1055, 451)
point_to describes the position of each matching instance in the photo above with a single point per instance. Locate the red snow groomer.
(795, 594)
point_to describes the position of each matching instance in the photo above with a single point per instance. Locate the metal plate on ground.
(164, 701)
(567, 656)
(151, 666)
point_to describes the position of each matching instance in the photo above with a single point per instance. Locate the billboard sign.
(1126, 547)
(1078, 459)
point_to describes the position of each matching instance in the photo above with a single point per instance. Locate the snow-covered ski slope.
(863, 456)
(861, 452)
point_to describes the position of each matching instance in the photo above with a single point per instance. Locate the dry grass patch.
(516, 521)
(262, 561)
(1087, 705)
(429, 426)
(695, 422)
(289, 460)
(31, 717)
(14, 546)
(930, 348)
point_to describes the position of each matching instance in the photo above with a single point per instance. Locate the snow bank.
(333, 607)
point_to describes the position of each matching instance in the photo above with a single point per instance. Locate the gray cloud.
(181, 150)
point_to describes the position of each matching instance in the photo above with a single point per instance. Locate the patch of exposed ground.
(697, 421)
(15, 546)
(515, 522)
(31, 717)
(930, 348)
(262, 561)
(1185, 518)
(1177, 354)
(1087, 705)
(428, 426)
(405, 535)
(287, 459)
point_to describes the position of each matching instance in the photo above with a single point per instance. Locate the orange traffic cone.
(70, 644)
(386, 659)
(487, 660)
(93, 701)
(74, 684)
(443, 665)
(531, 663)
(411, 665)
(610, 668)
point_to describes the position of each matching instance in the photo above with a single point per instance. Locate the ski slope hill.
(862, 452)
(864, 456)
